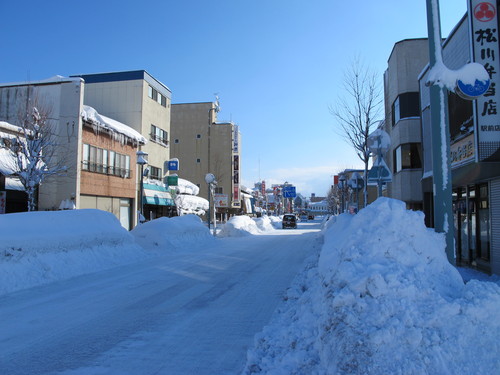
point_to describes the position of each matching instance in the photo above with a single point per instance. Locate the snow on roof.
(91, 115)
(54, 79)
(8, 165)
(186, 187)
(189, 204)
(7, 126)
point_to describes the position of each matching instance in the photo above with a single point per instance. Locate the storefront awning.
(157, 195)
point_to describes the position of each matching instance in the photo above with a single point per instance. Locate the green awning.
(157, 195)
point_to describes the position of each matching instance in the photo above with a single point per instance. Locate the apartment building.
(98, 152)
(142, 102)
(204, 146)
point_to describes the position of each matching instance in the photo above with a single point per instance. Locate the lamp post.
(142, 161)
(211, 182)
(342, 181)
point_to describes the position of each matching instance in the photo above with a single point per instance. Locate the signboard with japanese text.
(173, 164)
(483, 20)
(263, 188)
(236, 196)
(289, 192)
(236, 134)
(462, 151)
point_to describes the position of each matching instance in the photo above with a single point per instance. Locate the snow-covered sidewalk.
(382, 299)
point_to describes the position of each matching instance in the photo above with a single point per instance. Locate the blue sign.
(173, 165)
(289, 192)
(468, 91)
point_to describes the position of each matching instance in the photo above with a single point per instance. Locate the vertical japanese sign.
(483, 21)
(236, 167)
(263, 188)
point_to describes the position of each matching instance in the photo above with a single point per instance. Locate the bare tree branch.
(358, 111)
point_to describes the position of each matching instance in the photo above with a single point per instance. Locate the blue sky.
(276, 65)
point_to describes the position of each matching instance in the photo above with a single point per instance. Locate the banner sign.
(483, 21)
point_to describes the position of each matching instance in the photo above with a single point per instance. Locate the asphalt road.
(195, 313)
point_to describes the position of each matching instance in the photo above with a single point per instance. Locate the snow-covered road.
(192, 313)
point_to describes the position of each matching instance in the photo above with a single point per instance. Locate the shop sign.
(221, 200)
(462, 151)
(173, 164)
(485, 51)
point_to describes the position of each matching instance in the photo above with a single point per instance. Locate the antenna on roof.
(217, 105)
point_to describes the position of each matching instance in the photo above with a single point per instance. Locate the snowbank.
(382, 299)
(168, 233)
(239, 226)
(41, 247)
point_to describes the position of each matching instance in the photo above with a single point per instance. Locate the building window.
(155, 173)
(99, 160)
(198, 160)
(159, 135)
(407, 156)
(198, 136)
(176, 141)
(406, 105)
(156, 96)
(218, 190)
(461, 117)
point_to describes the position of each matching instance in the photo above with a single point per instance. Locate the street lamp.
(142, 161)
(342, 187)
(211, 182)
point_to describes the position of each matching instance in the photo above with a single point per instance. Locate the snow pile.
(41, 247)
(264, 224)
(382, 300)
(240, 226)
(275, 221)
(181, 231)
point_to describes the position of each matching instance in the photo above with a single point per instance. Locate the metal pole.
(142, 191)
(441, 166)
(208, 213)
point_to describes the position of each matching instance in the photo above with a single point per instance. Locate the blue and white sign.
(173, 164)
(468, 91)
(289, 192)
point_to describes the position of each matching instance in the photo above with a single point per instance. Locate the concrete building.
(402, 120)
(203, 146)
(98, 152)
(139, 100)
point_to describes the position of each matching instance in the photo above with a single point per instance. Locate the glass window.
(155, 173)
(85, 158)
(406, 105)
(150, 92)
(407, 156)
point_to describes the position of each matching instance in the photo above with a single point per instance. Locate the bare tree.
(358, 112)
(35, 150)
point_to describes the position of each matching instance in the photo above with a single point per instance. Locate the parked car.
(310, 217)
(289, 221)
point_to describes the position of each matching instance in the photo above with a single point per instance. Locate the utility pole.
(441, 165)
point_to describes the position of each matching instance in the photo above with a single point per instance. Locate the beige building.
(144, 103)
(402, 120)
(203, 146)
